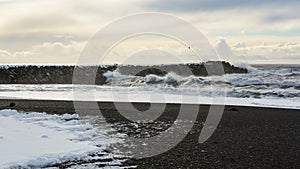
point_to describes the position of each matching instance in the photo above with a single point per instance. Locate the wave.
(283, 83)
(260, 81)
(246, 66)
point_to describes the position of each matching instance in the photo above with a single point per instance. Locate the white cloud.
(61, 17)
(272, 50)
(223, 49)
(288, 52)
(4, 54)
(46, 53)
(57, 49)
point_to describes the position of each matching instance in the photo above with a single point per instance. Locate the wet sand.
(247, 137)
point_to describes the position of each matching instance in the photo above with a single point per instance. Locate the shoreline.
(42, 105)
(247, 137)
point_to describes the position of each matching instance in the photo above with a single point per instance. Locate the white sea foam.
(35, 140)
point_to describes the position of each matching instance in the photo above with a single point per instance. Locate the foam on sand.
(41, 140)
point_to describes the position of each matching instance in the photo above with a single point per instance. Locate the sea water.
(264, 85)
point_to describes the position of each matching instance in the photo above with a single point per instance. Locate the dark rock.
(53, 75)
(233, 109)
(12, 104)
(196, 69)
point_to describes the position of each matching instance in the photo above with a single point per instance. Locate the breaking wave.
(260, 82)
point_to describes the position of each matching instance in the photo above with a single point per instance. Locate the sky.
(56, 31)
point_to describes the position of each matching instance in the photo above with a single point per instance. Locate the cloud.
(263, 53)
(223, 49)
(46, 53)
(212, 5)
(61, 17)
(268, 14)
(56, 49)
(39, 31)
(273, 50)
(4, 54)
(25, 24)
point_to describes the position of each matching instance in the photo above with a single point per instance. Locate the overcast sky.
(55, 31)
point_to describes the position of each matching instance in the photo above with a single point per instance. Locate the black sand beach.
(247, 137)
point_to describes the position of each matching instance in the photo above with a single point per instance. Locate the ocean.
(265, 85)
